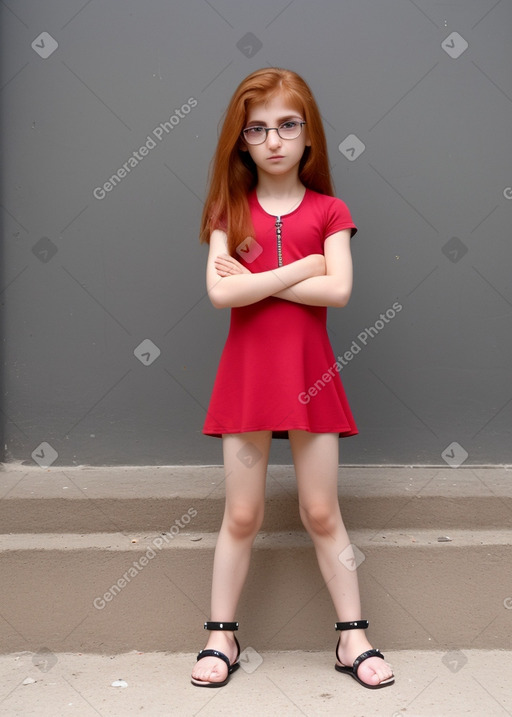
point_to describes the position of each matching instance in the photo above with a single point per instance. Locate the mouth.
(276, 156)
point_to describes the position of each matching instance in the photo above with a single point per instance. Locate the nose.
(273, 139)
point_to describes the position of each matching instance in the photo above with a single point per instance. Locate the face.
(276, 156)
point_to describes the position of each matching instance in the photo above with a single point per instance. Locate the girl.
(279, 255)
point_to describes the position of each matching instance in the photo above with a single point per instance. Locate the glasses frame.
(301, 123)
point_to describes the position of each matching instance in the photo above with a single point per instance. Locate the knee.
(320, 519)
(244, 521)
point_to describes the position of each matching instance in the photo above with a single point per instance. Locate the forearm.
(245, 289)
(318, 291)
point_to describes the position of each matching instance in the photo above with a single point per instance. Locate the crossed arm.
(317, 279)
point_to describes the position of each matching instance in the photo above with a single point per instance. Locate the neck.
(280, 187)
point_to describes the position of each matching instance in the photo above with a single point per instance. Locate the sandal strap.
(231, 626)
(355, 625)
(364, 656)
(214, 653)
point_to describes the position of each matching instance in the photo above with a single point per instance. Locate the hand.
(226, 265)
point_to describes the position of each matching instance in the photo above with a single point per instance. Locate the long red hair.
(232, 171)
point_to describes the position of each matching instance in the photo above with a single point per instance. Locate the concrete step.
(291, 684)
(94, 500)
(105, 593)
(109, 560)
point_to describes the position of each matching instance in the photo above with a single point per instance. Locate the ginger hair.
(233, 173)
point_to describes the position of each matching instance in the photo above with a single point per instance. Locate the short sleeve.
(338, 218)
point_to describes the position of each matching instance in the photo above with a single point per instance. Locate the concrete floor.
(428, 684)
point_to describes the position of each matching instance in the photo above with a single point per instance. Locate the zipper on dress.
(278, 226)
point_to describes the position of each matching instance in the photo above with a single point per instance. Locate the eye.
(254, 131)
(291, 124)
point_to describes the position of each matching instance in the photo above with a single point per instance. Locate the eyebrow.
(279, 121)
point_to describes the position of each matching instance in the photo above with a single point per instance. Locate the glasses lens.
(254, 135)
(290, 130)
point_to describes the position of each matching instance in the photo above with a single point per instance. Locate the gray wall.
(87, 279)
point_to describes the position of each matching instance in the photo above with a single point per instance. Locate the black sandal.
(352, 671)
(231, 626)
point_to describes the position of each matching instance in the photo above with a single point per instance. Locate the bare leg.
(245, 464)
(316, 465)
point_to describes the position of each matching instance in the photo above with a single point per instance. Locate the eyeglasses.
(286, 130)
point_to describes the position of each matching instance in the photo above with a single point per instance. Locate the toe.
(216, 675)
(374, 671)
(209, 672)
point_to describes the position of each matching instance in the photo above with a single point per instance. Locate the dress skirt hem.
(280, 433)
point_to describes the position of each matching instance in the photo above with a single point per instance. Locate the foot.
(372, 671)
(213, 669)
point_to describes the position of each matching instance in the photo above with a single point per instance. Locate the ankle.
(349, 637)
(221, 637)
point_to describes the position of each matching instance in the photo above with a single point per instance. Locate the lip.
(276, 156)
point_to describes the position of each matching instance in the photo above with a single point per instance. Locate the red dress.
(278, 371)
